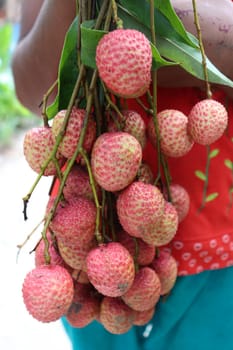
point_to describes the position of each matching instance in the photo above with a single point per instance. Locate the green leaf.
(89, 41)
(228, 163)
(214, 153)
(68, 71)
(200, 175)
(211, 197)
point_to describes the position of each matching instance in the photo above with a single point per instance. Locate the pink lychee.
(180, 199)
(124, 61)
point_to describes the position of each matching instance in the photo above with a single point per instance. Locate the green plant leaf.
(228, 163)
(214, 153)
(200, 175)
(68, 71)
(211, 197)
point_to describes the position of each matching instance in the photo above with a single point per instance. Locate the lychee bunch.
(124, 61)
(48, 292)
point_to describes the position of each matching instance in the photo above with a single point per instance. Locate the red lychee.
(140, 208)
(180, 199)
(37, 146)
(48, 292)
(74, 221)
(115, 159)
(110, 268)
(175, 140)
(164, 232)
(143, 317)
(145, 290)
(115, 316)
(124, 61)
(72, 134)
(131, 123)
(85, 306)
(55, 258)
(166, 268)
(207, 121)
(145, 174)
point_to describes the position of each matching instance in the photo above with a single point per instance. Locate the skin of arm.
(36, 58)
(44, 24)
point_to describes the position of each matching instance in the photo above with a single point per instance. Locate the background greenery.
(13, 116)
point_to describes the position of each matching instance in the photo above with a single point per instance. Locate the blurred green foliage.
(13, 115)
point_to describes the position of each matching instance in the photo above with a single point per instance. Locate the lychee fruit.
(37, 147)
(78, 184)
(141, 318)
(164, 232)
(140, 208)
(85, 306)
(48, 292)
(165, 266)
(175, 140)
(142, 252)
(74, 221)
(55, 257)
(73, 130)
(132, 123)
(145, 290)
(145, 174)
(180, 199)
(110, 268)
(124, 62)
(115, 159)
(115, 316)
(207, 121)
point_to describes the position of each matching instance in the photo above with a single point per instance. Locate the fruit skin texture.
(140, 208)
(48, 292)
(73, 131)
(173, 128)
(74, 221)
(110, 268)
(145, 253)
(145, 174)
(37, 147)
(145, 290)
(115, 159)
(55, 258)
(166, 229)
(132, 123)
(85, 306)
(207, 121)
(124, 60)
(166, 268)
(180, 200)
(143, 317)
(115, 316)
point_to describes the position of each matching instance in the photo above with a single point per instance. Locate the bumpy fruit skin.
(165, 266)
(140, 250)
(131, 123)
(115, 159)
(143, 317)
(140, 208)
(78, 184)
(85, 306)
(110, 268)
(145, 174)
(124, 60)
(73, 131)
(48, 292)
(37, 146)
(207, 121)
(166, 229)
(74, 221)
(174, 137)
(145, 290)
(115, 316)
(180, 200)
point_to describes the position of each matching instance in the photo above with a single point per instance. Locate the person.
(198, 313)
